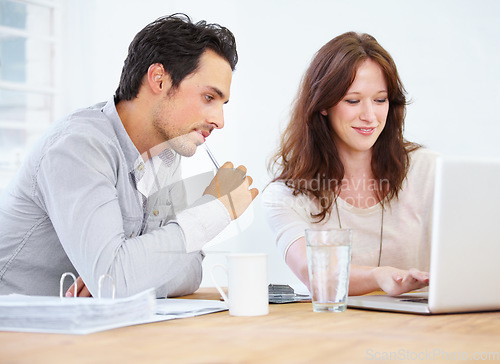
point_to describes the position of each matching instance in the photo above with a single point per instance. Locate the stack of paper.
(74, 315)
(84, 315)
(167, 309)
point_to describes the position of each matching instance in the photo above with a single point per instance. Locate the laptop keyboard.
(417, 300)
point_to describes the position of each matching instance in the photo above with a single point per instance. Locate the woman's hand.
(362, 279)
(81, 290)
(395, 281)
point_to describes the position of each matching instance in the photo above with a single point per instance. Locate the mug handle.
(222, 293)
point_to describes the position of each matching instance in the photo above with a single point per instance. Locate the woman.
(343, 163)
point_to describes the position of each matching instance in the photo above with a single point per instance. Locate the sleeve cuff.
(202, 222)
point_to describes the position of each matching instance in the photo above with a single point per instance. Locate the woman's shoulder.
(278, 193)
(423, 157)
(276, 190)
(423, 163)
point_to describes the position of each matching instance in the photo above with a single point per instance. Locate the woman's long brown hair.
(307, 160)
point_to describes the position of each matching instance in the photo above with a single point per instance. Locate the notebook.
(465, 246)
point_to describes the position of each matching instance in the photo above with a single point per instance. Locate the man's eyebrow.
(219, 92)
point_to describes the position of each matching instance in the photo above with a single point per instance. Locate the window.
(29, 50)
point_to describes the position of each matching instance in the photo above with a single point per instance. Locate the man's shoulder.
(89, 123)
(90, 118)
(82, 131)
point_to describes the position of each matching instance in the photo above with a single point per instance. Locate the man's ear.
(157, 78)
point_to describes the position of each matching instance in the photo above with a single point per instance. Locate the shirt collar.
(150, 176)
(167, 157)
(129, 150)
(135, 163)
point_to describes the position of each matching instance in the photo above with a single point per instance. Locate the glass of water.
(329, 260)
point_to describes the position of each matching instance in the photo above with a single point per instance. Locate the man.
(83, 202)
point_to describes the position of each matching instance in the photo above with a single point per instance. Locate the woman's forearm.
(362, 279)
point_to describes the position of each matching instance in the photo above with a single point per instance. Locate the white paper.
(188, 308)
(85, 315)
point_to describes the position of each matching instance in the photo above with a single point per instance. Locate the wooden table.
(291, 333)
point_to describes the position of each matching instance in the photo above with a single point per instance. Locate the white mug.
(247, 284)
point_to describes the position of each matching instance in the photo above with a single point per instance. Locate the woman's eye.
(352, 102)
(381, 101)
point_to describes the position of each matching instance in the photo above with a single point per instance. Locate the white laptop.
(465, 247)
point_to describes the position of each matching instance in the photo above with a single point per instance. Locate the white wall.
(447, 52)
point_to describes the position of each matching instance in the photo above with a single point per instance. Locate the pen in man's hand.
(211, 156)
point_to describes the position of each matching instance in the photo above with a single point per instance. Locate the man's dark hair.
(177, 43)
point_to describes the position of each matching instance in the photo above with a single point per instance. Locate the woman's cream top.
(406, 221)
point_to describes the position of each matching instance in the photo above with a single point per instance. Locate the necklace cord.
(381, 230)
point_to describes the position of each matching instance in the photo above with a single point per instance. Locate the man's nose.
(217, 119)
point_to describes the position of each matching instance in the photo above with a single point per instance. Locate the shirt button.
(141, 167)
(156, 212)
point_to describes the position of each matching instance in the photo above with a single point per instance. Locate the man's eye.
(208, 98)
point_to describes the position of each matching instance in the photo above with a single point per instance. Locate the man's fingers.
(71, 291)
(227, 165)
(254, 192)
(81, 289)
(84, 292)
(243, 169)
(232, 187)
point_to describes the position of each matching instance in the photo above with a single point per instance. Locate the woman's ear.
(324, 112)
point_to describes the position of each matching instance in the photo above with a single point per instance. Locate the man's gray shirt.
(74, 207)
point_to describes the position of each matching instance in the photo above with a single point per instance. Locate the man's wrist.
(202, 222)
